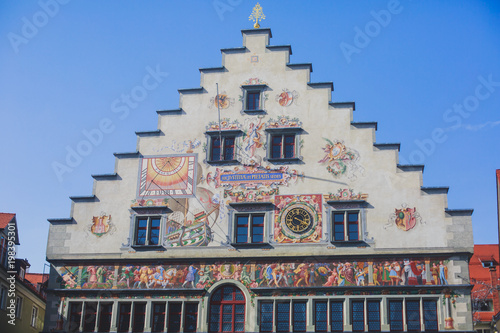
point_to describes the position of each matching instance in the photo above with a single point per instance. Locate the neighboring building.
(284, 215)
(483, 270)
(21, 303)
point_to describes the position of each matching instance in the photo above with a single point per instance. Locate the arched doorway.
(227, 310)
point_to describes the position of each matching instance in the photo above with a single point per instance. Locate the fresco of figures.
(280, 274)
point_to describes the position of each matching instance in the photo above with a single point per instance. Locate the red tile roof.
(5, 218)
(35, 278)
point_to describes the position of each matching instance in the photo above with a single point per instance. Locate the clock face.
(298, 219)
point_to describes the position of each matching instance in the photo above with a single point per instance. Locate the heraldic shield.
(405, 218)
(100, 225)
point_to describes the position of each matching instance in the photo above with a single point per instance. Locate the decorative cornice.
(367, 124)
(388, 146)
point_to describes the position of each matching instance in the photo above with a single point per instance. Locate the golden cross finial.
(257, 15)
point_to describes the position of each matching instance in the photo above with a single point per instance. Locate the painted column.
(114, 315)
(147, 321)
(115, 282)
(448, 321)
(370, 273)
(79, 281)
(428, 276)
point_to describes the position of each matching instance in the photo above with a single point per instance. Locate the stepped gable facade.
(283, 214)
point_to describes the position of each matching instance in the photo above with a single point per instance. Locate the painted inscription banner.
(251, 177)
(169, 175)
(255, 274)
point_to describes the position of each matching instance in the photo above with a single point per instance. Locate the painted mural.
(284, 122)
(298, 218)
(287, 97)
(252, 140)
(186, 146)
(221, 101)
(191, 220)
(345, 194)
(226, 124)
(404, 218)
(101, 225)
(258, 274)
(341, 160)
(253, 81)
(259, 194)
(168, 175)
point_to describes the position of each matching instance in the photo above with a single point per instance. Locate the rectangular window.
(396, 315)
(224, 151)
(19, 306)
(282, 146)
(147, 231)
(413, 315)
(343, 220)
(139, 317)
(34, 315)
(124, 316)
(337, 316)
(75, 316)
(250, 228)
(299, 316)
(174, 317)
(373, 316)
(158, 317)
(3, 297)
(89, 316)
(253, 100)
(190, 317)
(430, 315)
(105, 311)
(358, 316)
(321, 316)
(3, 250)
(266, 316)
(282, 317)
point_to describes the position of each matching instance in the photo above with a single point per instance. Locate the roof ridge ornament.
(257, 15)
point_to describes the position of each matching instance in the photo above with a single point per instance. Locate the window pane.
(257, 228)
(337, 316)
(139, 317)
(320, 316)
(75, 316)
(214, 318)
(229, 149)
(142, 227)
(124, 317)
(266, 317)
(282, 317)
(339, 217)
(90, 316)
(396, 315)
(174, 317)
(190, 317)
(276, 146)
(239, 317)
(430, 315)
(216, 149)
(357, 313)
(253, 98)
(289, 146)
(413, 315)
(105, 311)
(299, 317)
(242, 229)
(374, 315)
(158, 317)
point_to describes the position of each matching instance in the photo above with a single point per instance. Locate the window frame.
(138, 316)
(213, 136)
(330, 311)
(346, 225)
(407, 315)
(283, 133)
(85, 313)
(362, 302)
(149, 219)
(400, 313)
(368, 312)
(254, 89)
(34, 316)
(161, 315)
(172, 314)
(315, 316)
(260, 317)
(277, 304)
(296, 312)
(125, 314)
(425, 314)
(19, 306)
(250, 227)
(103, 314)
(75, 314)
(3, 297)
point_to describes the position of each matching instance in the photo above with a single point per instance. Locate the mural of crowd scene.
(92, 277)
(298, 218)
(258, 274)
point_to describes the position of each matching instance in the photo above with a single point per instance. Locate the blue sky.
(428, 72)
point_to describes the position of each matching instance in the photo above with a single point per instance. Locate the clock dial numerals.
(298, 220)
